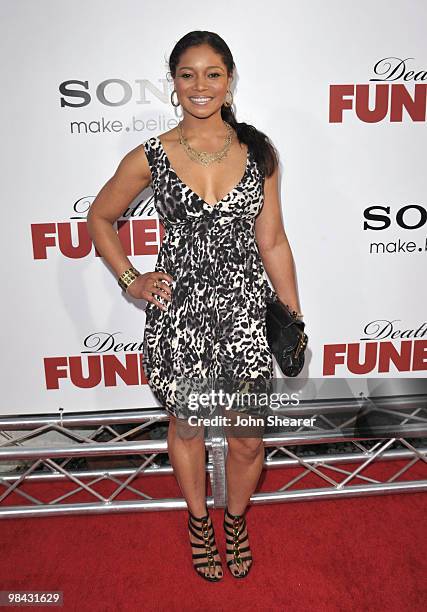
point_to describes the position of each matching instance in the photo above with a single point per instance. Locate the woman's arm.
(273, 245)
(131, 177)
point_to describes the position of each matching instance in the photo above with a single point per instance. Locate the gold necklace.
(205, 157)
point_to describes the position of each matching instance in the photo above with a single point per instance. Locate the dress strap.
(152, 152)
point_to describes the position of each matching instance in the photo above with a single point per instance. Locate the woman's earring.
(177, 101)
(230, 102)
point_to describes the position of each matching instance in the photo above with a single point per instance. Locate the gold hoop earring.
(230, 103)
(174, 91)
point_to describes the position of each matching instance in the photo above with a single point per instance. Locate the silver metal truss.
(349, 438)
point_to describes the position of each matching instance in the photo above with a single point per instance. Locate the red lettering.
(144, 240)
(378, 357)
(128, 371)
(41, 239)
(333, 355)
(387, 99)
(389, 353)
(353, 361)
(94, 375)
(420, 355)
(94, 370)
(123, 232)
(54, 369)
(137, 237)
(65, 243)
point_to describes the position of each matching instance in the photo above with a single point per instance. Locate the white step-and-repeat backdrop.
(340, 88)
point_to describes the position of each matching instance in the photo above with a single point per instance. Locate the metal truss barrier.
(350, 437)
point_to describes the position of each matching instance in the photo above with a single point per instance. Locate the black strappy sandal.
(237, 529)
(204, 526)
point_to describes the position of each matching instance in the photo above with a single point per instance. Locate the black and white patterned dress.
(214, 327)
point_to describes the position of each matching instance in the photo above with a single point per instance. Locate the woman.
(215, 183)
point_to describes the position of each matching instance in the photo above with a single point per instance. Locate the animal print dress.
(213, 330)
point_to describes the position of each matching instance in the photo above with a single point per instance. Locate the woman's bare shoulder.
(135, 163)
(136, 160)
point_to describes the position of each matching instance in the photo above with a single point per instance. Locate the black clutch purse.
(286, 337)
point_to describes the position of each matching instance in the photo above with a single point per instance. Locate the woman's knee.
(183, 430)
(247, 447)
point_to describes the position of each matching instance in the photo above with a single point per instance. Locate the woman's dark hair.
(258, 143)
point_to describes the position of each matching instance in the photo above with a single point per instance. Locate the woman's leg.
(186, 448)
(245, 460)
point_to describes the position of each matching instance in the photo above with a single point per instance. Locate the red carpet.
(337, 555)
